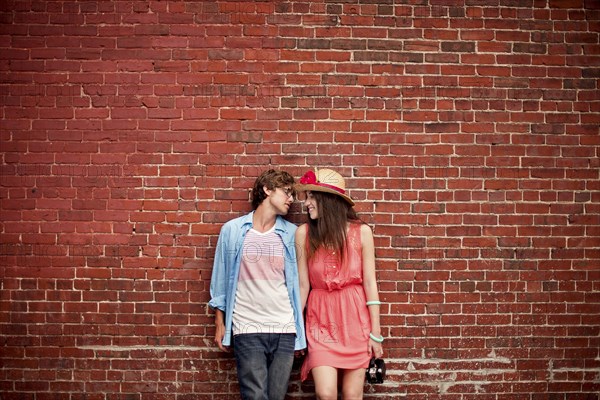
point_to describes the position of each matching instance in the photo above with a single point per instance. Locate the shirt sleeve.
(218, 281)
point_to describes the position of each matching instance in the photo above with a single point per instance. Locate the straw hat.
(325, 180)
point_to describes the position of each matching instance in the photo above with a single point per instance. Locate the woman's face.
(311, 205)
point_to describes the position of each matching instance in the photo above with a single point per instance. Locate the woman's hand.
(375, 349)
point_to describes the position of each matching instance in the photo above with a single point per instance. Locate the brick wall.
(468, 130)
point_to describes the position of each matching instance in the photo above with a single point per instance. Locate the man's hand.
(220, 330)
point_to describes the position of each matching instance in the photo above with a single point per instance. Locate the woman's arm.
(370, 285)
(302, 264)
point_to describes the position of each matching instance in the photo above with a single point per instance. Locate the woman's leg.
(326, 380)
(353, 383)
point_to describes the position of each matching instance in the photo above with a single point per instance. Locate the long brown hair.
(330, 229)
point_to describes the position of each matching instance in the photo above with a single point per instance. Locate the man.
(255, 291)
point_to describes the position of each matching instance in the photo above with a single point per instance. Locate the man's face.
(282, 199)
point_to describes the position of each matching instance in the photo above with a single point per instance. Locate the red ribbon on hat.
(310, 178)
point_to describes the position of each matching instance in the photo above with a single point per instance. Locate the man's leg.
(282, 358)
(251, 358)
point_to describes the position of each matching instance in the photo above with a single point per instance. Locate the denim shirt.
(226, 269)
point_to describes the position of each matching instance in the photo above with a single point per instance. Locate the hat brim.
(316, 188)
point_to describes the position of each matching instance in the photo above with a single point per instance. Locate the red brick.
(468, 136)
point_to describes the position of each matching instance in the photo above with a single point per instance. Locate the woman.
(336, 264)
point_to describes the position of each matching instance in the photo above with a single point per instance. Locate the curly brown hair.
(272, 179)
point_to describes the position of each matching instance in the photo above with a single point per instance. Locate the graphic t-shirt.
(262, 303)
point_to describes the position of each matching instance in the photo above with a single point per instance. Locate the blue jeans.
(264, 363)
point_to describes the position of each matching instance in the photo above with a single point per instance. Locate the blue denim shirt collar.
(280, 225)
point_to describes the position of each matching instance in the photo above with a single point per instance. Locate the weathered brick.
(132, 131)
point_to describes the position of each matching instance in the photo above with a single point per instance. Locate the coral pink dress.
(337, 319)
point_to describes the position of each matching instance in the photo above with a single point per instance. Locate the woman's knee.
(326, 381)
(326, 393)
(352, 394)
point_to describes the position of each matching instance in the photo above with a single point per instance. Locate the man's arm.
(220, 329)
(218, 288)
